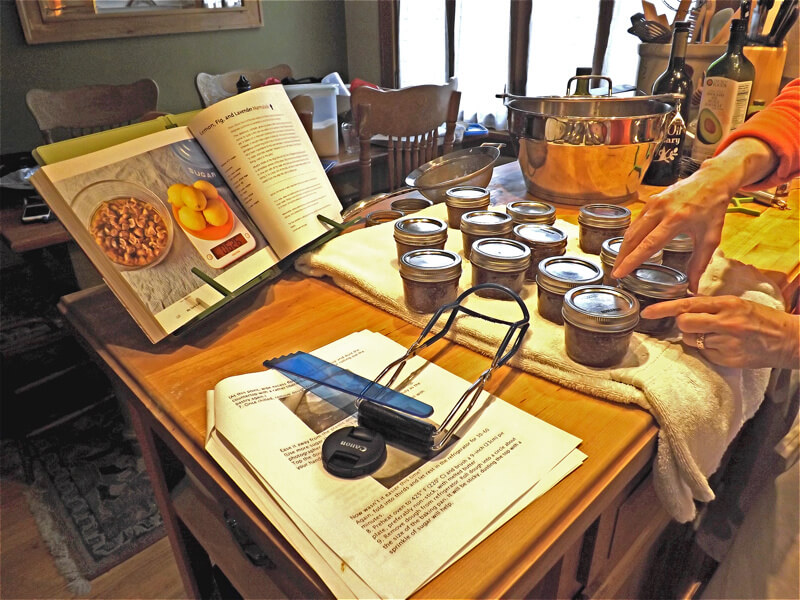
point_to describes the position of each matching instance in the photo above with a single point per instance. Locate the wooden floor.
(27, 569)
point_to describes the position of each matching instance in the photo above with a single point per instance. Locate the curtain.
(481, 59)
(562, 38)
(422, 42)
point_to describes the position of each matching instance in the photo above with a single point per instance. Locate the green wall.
(308, 35)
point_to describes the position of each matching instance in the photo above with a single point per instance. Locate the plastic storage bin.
(325, 136)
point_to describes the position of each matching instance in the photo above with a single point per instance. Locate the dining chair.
(213, 88)
(69, 113)
(409, 120)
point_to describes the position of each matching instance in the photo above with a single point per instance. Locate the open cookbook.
(181, 219)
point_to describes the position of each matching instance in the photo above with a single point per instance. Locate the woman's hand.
(695, 206)
(733, 332)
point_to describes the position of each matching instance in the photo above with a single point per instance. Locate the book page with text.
(259, 145)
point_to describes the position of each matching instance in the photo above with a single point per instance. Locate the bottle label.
(723, 108)
(665, 168)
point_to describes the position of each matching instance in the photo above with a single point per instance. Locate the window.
(527, 47)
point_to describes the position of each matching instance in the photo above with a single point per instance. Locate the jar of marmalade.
(462, 199)
(652, 283)
(430, 278)
(499, 260)
(376, 217)
(543, 240)
(608, 256)
(598, 324)
(531, 211)
(559, 274)
(479, 224)
(413, 232)
(678, 251)
(409, 206)
(599, 222)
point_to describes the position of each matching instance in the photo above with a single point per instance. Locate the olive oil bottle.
(665, 168)
(726, 95)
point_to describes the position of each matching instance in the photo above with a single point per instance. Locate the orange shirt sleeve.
(778, 125)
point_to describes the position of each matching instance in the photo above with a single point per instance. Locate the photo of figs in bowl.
(127, 221)
(200, 210)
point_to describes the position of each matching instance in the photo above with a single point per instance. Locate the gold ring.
(700, 341)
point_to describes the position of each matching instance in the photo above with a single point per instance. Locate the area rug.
(91, 496)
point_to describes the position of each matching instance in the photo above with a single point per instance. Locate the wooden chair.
(409, 118)
(213, 88)
(63, 114)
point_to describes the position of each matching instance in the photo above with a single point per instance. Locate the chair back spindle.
(409, 118)
(63, 114)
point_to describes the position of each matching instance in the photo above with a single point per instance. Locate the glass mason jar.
(678, 251)
(652, 283)
(559, 274)
(501, 261)
(408, 206)
(608, 256)
(376, 217)
(531, 211)
(430, 278)
(599, 222)
(462, 199)
(598, 324)
(413, 233)
(479, 224)
(543, 240)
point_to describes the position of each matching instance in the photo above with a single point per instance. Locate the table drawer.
(246, 565)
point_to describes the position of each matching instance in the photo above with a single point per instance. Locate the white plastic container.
(325, 136)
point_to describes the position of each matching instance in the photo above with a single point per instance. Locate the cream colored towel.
(699, 406)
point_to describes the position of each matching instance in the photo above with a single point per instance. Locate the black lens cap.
(353, 451)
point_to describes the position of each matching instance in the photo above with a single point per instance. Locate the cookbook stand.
(70, 148)
(269, 274)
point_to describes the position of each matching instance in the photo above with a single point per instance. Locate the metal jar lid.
(429, 264)
(559, 274)
(531, 211)
(410, 205)
(604, 216)
(467, 196)
(415, 231)
(609, 250)
(486, 222)
(656, 281)
(680, 243)
(538, 234)
(376, 217)
(601, 308)
(500, 255)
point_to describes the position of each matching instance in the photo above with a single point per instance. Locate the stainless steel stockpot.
(582, 149)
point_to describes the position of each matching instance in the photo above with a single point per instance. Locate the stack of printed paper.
(387, 534)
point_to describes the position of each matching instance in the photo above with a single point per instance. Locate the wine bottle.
(582, 85)
(726, 95)
(665, 168)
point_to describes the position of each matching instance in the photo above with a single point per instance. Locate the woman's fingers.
(638, 251)
(673, 308)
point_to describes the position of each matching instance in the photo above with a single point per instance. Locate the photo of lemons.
(200, 209)
(174, 194)
(191, 219)
(208, 189)
(193, 198)
(215, 212)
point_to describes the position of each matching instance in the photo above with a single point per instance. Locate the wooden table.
(594, 533)
(24, 237)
